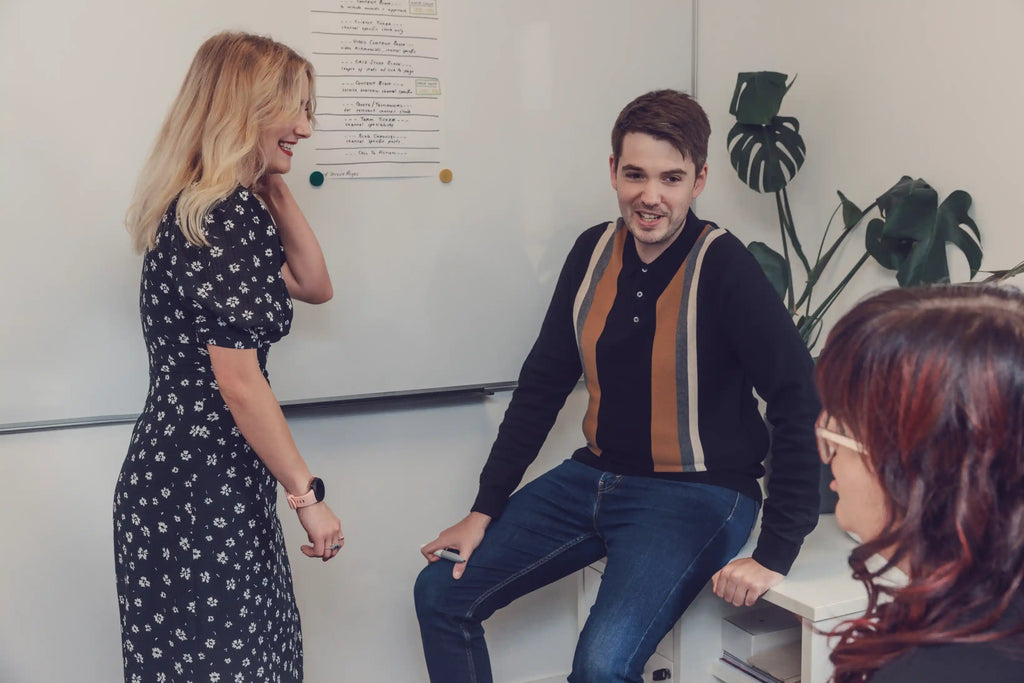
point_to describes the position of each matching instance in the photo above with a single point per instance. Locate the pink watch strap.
(306, 499)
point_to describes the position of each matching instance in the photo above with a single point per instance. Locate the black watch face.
(318, 488)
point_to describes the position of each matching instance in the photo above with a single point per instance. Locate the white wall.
(395, 479)
(884, 88)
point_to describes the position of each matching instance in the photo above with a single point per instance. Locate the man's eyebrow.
(673, 171)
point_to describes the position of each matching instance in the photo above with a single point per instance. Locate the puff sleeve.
(235, 284)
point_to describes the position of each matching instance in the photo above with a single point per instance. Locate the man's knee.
(608, 656)
(598, 667)
(431, 589)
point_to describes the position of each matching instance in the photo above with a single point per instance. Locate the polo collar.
(669, 261)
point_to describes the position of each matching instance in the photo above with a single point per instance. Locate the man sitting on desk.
(672, 323)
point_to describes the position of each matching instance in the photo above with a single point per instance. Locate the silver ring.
(336, 546)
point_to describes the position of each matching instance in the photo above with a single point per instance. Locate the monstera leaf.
(758, 97)
(852, 214)
(767, 157)
(773, 265)
(912, 233)
(765, 149)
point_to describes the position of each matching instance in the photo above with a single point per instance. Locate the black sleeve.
(550, 372)
(772, 354)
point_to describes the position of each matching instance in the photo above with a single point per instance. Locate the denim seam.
(602, 487)
(601, 490)
(711, 538)
(467, 636)
(470, 667)
(524, 571)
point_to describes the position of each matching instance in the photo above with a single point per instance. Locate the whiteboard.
(435, 284)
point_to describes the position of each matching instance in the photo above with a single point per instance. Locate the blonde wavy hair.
(237, 86)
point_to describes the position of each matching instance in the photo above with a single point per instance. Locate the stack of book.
(763, 643)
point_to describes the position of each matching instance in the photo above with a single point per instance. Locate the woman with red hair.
(923, 425)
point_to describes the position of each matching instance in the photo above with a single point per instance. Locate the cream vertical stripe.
(691, 355)
(581, 293)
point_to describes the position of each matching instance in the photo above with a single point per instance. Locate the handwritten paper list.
(378, 87)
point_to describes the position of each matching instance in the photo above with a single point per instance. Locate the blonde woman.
(204, 583)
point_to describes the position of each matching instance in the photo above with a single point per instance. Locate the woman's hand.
(305, 271)
(270, 186)
(323, 529)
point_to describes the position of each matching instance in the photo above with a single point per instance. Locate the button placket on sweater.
(641, 284)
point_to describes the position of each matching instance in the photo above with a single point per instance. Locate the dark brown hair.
(668, 115)
(931, 382)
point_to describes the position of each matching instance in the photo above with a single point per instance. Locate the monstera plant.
(908, 233)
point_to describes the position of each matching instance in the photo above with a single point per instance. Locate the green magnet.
(316, 178)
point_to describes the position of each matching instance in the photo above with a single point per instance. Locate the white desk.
(819, 589)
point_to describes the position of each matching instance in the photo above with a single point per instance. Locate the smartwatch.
(314, 495)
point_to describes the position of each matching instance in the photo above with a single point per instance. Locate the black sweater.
(670, 352)
(997, 661)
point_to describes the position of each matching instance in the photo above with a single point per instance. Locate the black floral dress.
(203, 581)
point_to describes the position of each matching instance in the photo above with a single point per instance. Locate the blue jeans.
(663, 539)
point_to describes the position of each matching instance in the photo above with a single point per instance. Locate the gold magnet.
(445, 175)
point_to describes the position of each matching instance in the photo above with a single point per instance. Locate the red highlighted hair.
(931, 382)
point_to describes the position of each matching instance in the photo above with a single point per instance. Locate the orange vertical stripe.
(665, 450)
(601, 305)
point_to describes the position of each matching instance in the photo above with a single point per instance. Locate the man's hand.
(463, 537)
(743, 581)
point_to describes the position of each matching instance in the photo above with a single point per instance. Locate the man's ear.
(700, 181)
(611, 167)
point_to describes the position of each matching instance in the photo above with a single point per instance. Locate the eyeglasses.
(828, 440)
